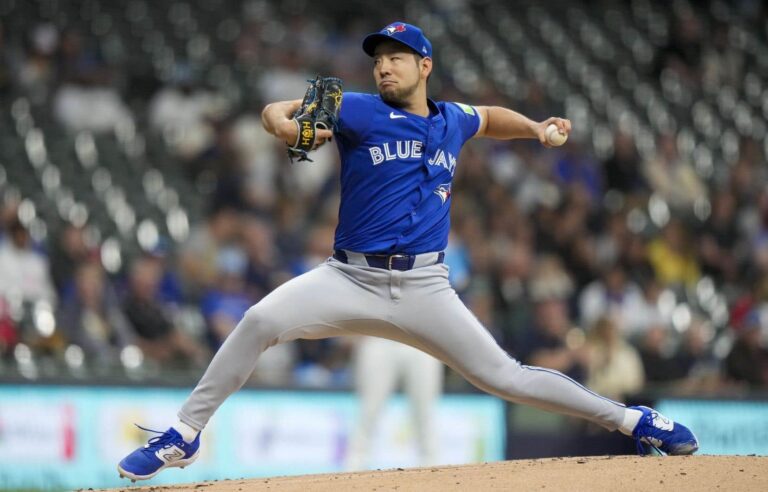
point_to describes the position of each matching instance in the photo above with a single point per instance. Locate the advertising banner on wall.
(68, 438)
(31, 433)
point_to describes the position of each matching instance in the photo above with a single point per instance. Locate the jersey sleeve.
(469, 120)
(354, 116)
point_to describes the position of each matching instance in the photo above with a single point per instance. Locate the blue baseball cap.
(407, 34)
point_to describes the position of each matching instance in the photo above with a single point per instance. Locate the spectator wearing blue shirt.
(225, 303)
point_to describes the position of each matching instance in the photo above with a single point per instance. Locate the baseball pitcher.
(398, 152)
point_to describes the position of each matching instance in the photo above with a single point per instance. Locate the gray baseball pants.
(417, 307)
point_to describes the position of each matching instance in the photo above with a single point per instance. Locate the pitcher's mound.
(609, 473)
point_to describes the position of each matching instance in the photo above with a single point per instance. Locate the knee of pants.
(260, 323)
(500, 377)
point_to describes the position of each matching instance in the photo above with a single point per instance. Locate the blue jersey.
(396, 174)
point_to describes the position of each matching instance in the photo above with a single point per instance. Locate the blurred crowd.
(622, 271)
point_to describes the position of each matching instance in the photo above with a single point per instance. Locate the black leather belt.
(389, 262)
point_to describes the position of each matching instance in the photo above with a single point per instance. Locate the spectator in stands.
(650, 313)
(747, 177)
(717, 239)
(672, 256)
(225, 165)
(512, 286)
(92, 316)
(547, 342)
(88, 100)
(622, 170)
(183, 113)
(198, 257)
(533, 186)
(226, 301)
(570, 239)
(611, 239)
(318, 248)
(224, 305)
(310, 182)
(635, 258)
(683, 49)
(694, 355)
(673, 177)
(456, 258)
(69, 249)
(722, 62)
(556, 228)
(577, 168)
(156, 334)
(615, 368)
(287, 78)
(751, 299)
(581, 260)
(260, 161)
(264, 271)
(614, 295)
(291, 220)
(24, 272)
(748, 360)
(322, 363)
(36, 72)
(170, 291)
(656, 352)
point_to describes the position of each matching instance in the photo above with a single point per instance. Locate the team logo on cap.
(393, 28)
(443, 191)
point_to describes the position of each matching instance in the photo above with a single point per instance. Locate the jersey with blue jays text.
(396, 173)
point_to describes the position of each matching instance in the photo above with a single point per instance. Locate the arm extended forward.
(505, 124)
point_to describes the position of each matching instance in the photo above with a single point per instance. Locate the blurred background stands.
(136, 180)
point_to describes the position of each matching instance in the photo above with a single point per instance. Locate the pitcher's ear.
(427, 63)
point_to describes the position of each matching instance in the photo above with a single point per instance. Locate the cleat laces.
(652, 431)
(163, 440)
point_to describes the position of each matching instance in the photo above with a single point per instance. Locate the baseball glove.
(319, 109)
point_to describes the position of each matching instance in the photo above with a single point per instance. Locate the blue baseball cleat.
(663, 434)
(166, 450)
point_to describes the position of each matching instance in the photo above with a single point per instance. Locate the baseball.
(554, 137)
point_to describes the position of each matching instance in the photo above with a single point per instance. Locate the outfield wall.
(73, 437)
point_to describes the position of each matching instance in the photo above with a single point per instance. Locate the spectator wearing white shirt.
(616, 296)
(88, 99)
(24, 272)
(183, 112)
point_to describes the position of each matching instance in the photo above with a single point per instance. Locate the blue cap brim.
(372, 40)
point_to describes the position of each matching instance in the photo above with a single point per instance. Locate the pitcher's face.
(397, 71)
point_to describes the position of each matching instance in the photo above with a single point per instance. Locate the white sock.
(188, 433)
(631, 418)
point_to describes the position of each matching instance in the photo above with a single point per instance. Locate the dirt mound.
(612, 473)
